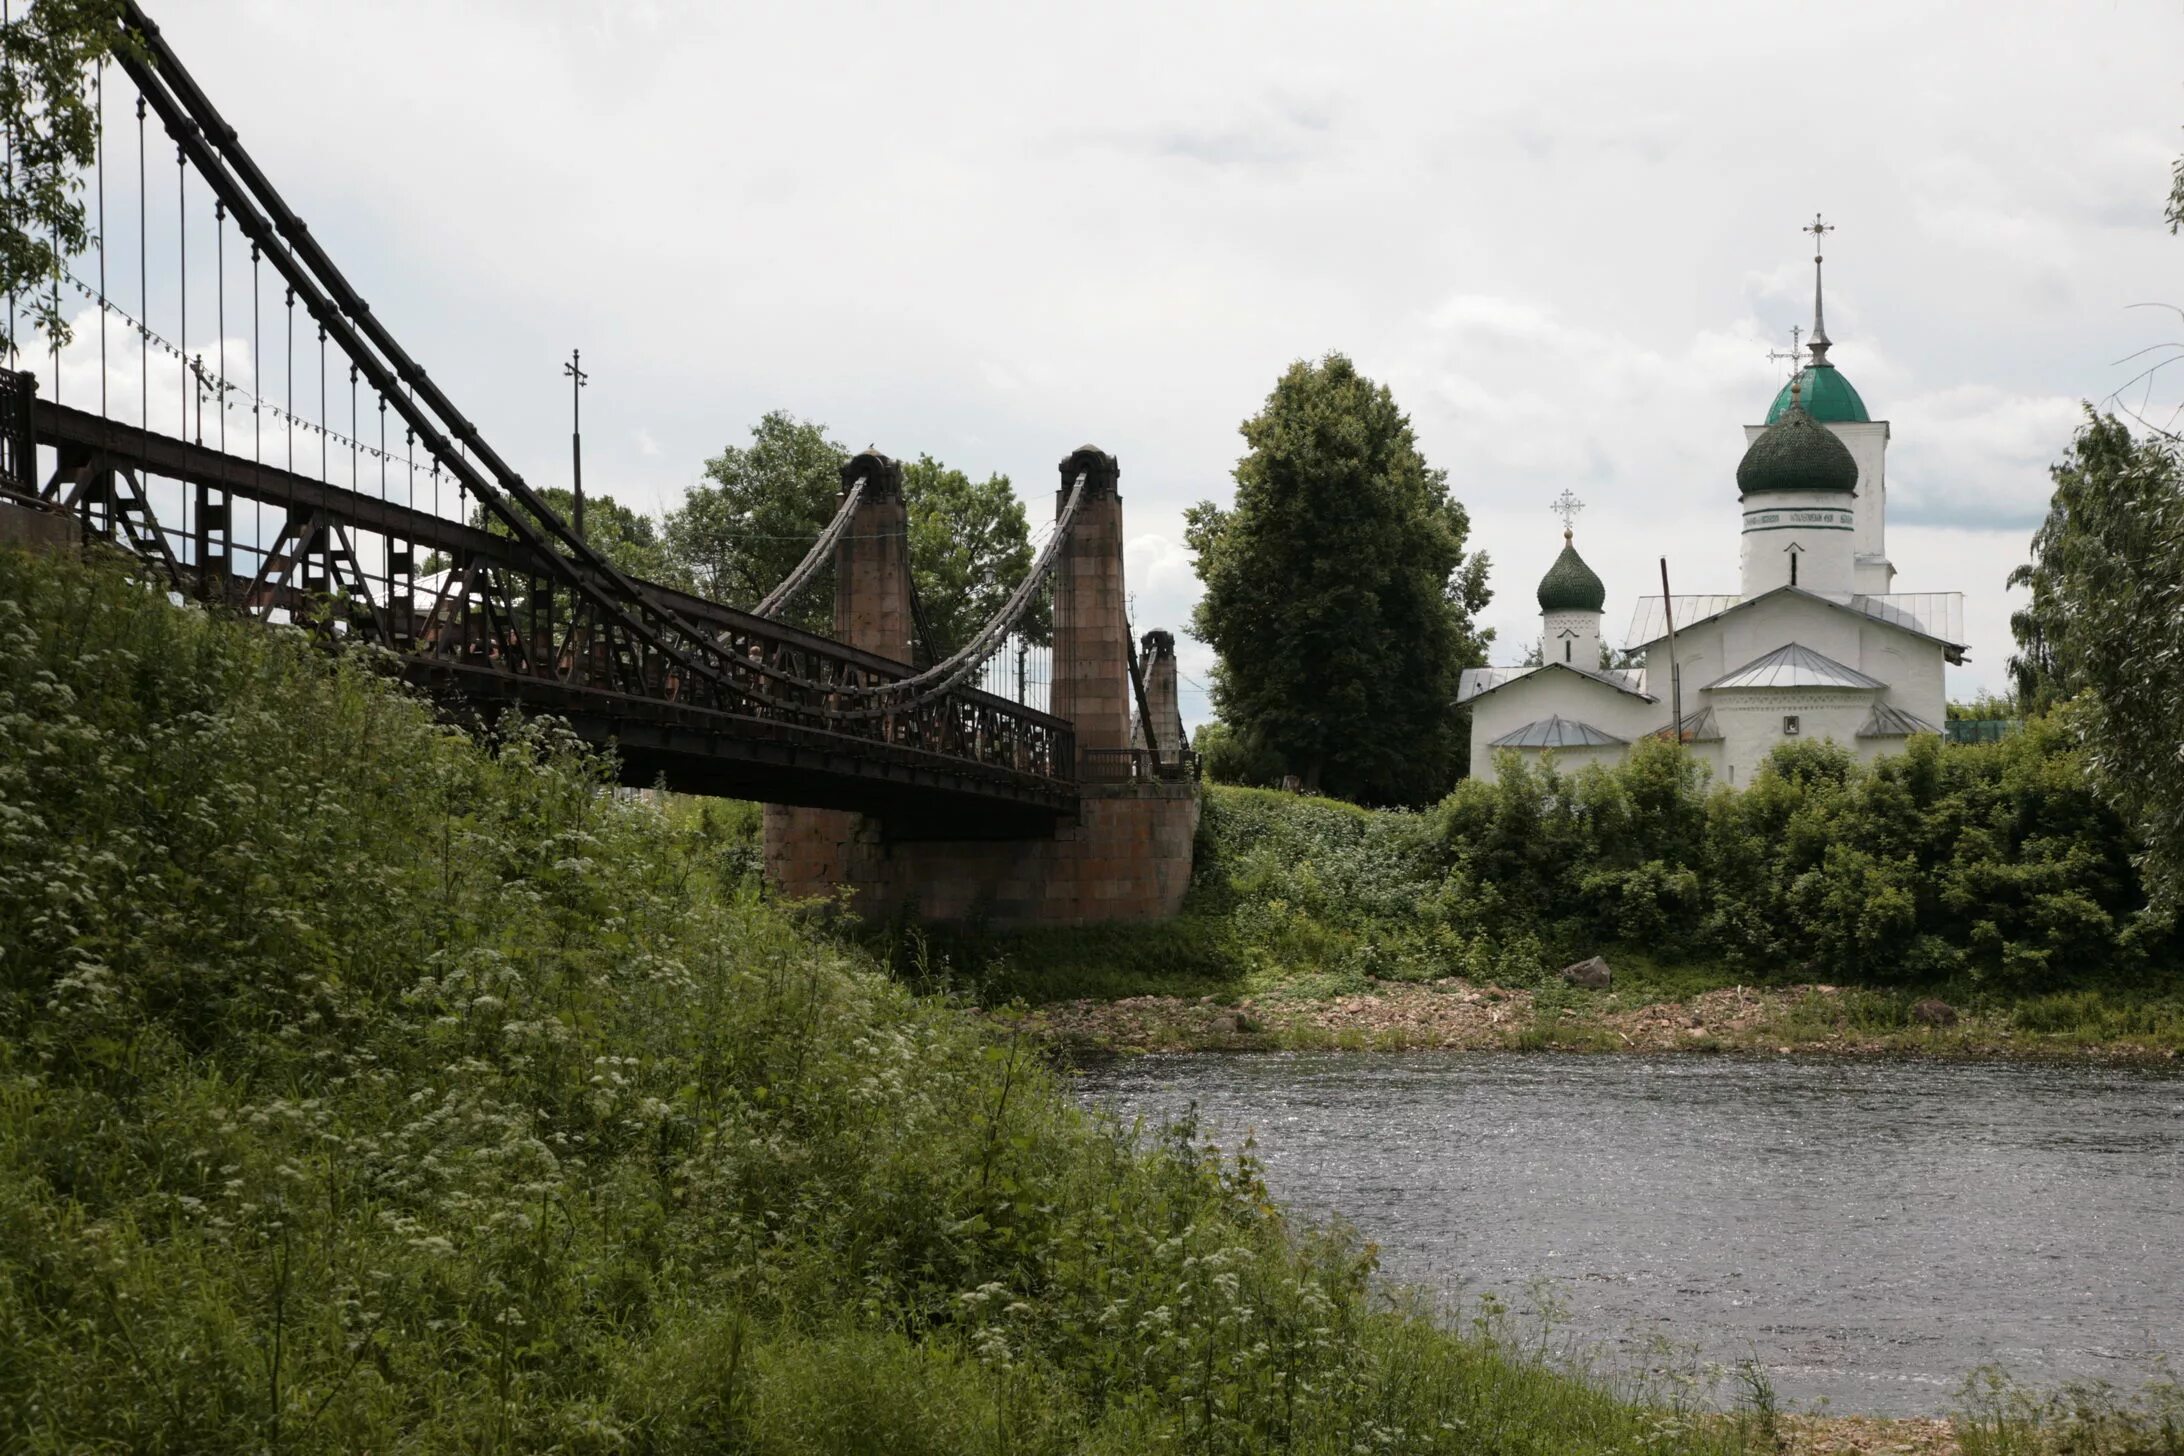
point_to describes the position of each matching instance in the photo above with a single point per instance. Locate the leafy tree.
(1227, 757)
(748, 524)
(2108, 586)
(2036, 673)
(761, 506)
(970, 544)
(52, 134)
(1338, 593)
(1985, 707)
(629, 539)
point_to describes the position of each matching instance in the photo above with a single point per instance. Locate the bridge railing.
(347, 564)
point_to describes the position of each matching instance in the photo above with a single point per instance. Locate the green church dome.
(1796, 452)
(1569, 585)
(1828, 397)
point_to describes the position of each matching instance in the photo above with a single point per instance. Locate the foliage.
(970, 545)
(1996, 860)
(1226, 756)
(2083, 1418)
(738, 534)
(629, 539)
(1337, 591)
(743, 529)
(1983, 707)
(365, 1089)
(2107, 578)
(51, 120)
(1993, 870)
(1289, 894)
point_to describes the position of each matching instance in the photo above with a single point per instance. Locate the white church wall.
(1548, 693)
(1752, 724)
(1868, 445)
(1582, 644)
(1698, 656)
(1753, 632)
(1819, 525)
(1911, 666)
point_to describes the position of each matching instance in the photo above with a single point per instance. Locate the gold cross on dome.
(1567, 506)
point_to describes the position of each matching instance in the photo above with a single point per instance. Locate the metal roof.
(1893, 722)
(1477, 682)
(1938, 615)
(1793, 665)
(1647, 626)
(1698, 727)
(1827, 396)
(1557, 732)
(1931, 614)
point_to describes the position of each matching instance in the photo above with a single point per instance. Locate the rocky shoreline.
(1456, 1015)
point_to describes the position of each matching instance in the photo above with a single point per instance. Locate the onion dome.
(1797, 453)
(1828, 397)
(1570, 585)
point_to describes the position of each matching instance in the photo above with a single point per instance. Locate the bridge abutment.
(1125, 854)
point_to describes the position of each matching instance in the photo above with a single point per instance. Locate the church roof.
(1797, 453)
(1477, 682)
(1556, 731)
(1793, 665)
(1936, 616)
(1699, 727)
(1827, 396)
(1570, 585)
(1893, 722)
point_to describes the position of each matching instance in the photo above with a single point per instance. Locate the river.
(1869, 1231)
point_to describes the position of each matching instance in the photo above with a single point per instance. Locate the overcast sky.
(1565, 235)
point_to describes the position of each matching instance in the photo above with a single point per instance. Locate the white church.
(1817, 644)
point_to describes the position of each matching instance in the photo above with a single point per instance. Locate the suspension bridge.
(949, 779)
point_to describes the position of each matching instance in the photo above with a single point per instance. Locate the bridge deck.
(789, 759)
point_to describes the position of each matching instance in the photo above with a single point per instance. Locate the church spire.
(1819, 344)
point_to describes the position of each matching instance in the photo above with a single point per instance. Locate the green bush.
(362, 1088)
(1996, 860)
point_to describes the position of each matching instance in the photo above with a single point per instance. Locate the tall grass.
(366, 1088)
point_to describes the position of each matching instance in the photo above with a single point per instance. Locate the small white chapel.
(1816, 644)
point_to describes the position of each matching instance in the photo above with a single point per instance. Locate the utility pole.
(577, 380)
(1675, 678)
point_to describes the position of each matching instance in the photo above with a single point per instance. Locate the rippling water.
(1870, 1230)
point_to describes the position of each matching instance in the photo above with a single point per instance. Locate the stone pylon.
(1125, 854)
(872, 562)
(1156, 660)
(1091, 623)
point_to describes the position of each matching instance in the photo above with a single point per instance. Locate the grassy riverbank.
(362, 1089)
(1961, 901)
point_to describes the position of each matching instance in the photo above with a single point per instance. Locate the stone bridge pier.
(1126, 852)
